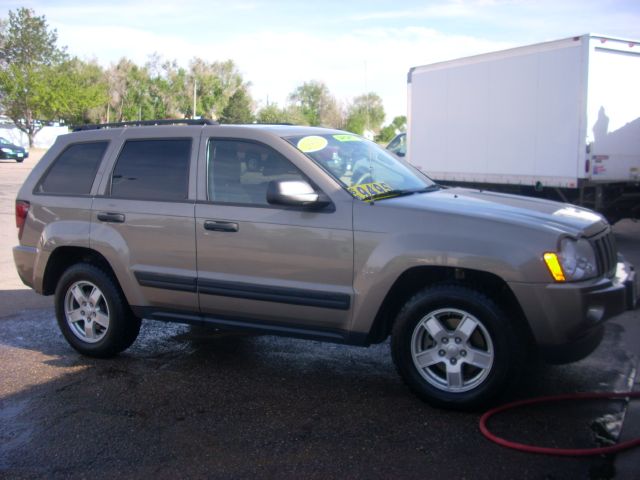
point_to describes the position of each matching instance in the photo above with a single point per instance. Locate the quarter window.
(239, 172)
(152, 170)
(73, 172)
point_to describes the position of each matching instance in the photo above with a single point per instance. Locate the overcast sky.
(352, 46)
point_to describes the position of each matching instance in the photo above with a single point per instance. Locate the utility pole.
(195, 82)
(366, 92)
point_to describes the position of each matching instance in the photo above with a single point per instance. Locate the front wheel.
(92, 312)
(455, 348)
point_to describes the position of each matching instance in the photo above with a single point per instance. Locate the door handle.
(111, 217)
(216, 226)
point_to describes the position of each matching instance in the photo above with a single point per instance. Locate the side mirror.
(295, 193)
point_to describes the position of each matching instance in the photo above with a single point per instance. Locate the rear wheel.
(92, 312)
(455, 348)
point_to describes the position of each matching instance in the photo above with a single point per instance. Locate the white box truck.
(558, 119)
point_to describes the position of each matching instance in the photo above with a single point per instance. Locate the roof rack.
(139, 123)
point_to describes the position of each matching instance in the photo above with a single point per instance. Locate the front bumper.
(566, 318)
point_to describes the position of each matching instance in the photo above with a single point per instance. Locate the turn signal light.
(553, 264)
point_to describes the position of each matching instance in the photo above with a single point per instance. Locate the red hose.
(567, 452)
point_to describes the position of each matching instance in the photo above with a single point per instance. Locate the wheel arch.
(415, 279)
(63, 257)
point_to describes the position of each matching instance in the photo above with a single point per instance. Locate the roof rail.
(139, 123)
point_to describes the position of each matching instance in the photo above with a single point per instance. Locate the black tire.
(122, 327)
(19, 160)
(493, 345)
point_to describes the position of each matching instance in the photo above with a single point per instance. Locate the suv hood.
(532, 212)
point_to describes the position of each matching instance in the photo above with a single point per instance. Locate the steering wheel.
(363, 177)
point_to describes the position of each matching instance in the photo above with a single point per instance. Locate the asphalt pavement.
(187, 402)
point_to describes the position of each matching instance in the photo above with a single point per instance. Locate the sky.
(353, 47)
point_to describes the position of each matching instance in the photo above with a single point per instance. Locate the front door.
(281, 267)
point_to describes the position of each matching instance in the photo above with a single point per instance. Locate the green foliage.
(274, 114)
(162, 89)
(316, 104)
(128, 91)
(397, 125)
(215, 83)
(178, 91)
(27, 41)
(238, 109)
(80, 92)
(365, 113)
(29, 66)
(386, 134)
(356, 124)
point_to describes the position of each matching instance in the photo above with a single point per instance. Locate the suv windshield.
(365, 170)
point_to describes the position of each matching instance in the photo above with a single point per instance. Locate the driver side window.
(239, 172)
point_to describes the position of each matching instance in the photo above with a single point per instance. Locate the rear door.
(276, 266)
(143, 222)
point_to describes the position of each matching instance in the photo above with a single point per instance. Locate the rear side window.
(73, 172)
(152, 170)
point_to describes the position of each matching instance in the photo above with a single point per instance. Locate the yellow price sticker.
(312, 143)
(366, 191)
(343, 137)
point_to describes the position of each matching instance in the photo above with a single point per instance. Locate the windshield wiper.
(402, 193)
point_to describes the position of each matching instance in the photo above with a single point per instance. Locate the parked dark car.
(9, 151)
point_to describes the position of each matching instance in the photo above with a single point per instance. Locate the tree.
(215, 83)
(317, 105)
(129, 92)
(159, 87)
(80, 92)
(238, 108)
(29, 65)
(397, 125)
(162, 89)
(180, 93)
(365, 113)
(274, 114)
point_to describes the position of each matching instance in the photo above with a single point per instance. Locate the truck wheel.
(455, 348)
(92, 312)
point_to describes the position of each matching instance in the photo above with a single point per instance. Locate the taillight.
(22, 210)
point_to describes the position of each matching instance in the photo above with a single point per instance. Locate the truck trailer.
(559, 119)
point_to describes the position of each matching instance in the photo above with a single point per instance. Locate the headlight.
(575, 261)
(7, 150)
(578, 259)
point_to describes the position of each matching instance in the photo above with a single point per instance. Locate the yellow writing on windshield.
(366, 191)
